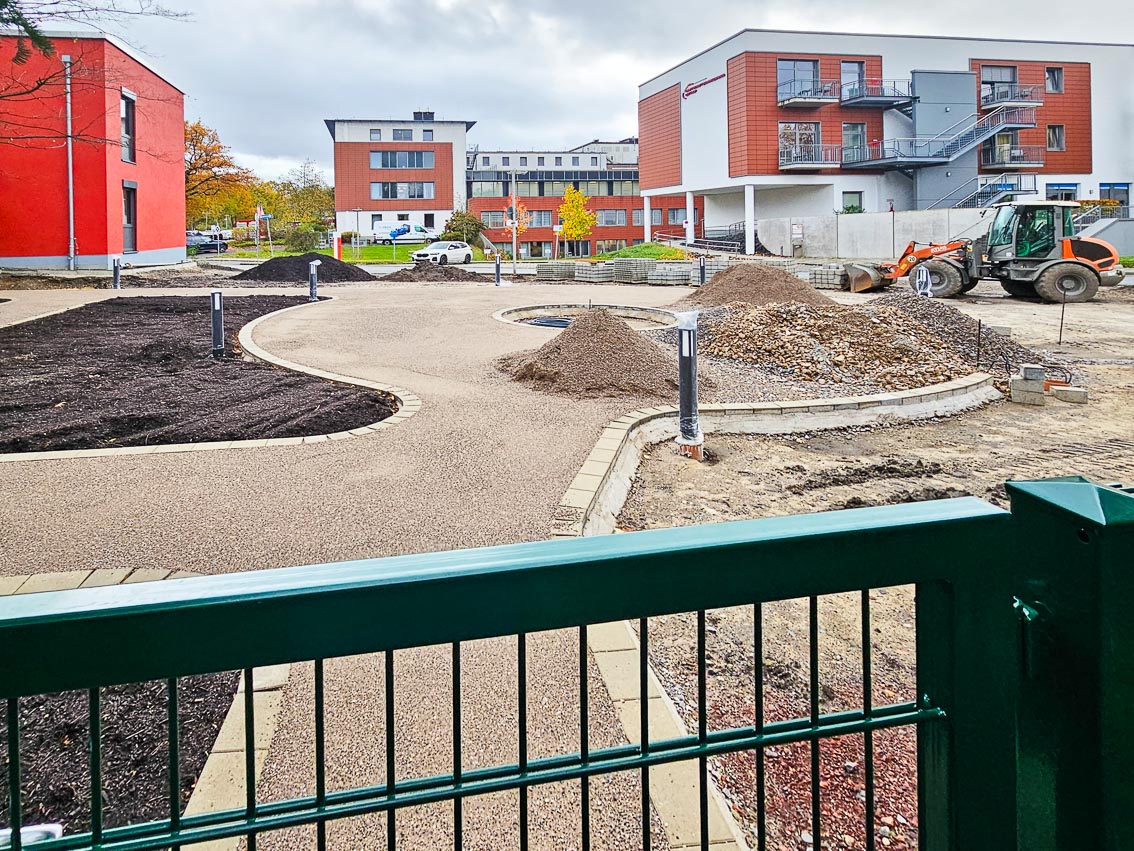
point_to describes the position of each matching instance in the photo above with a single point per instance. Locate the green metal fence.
(1023, 660)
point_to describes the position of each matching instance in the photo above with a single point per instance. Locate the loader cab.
(1030, 230)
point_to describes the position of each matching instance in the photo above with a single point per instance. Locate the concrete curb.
(515, 315)
(408, 405)
(596, 495)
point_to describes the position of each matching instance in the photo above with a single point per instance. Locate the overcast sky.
(531, 73)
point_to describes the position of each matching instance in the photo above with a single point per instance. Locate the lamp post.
(357, 232)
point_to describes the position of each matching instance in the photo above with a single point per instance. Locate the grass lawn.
(1128, 262)
(363, 254)
(654, 250)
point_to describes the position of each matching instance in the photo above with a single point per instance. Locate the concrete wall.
(723, 209)
(870, 235)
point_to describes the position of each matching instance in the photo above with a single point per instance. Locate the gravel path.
(484, 462)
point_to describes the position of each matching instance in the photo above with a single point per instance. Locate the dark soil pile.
(756, 283)
(596, 355)
(55, 742)
(426, 271)
(138, 371)
(294, 269)
(54, 282)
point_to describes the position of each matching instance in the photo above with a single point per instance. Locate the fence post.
(1074, 541)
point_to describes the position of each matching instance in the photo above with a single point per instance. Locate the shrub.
(852, 208)
(301, 240)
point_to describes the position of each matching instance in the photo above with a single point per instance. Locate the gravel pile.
(756, 283)
(294, 269)
(832, 345)
(596, 355)
(426, 271)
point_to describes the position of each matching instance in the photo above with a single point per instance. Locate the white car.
(444, 252)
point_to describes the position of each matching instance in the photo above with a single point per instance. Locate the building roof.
(331, 122)
(94, 35)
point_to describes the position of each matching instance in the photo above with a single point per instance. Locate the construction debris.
(758, 284)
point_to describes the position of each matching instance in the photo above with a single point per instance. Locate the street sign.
(558, 229)
(266, 216)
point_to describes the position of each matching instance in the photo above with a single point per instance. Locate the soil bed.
(426, 271)
(55, 742)
(138, 371)
(294, 270)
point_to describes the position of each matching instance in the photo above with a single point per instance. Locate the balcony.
(810, 157)
(807, 92)
(887, 94)
(1012, 156)
(1010, 94)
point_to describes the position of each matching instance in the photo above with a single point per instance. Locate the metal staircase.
(989, 190)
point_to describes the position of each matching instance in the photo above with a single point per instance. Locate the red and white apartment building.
(781, 124)
(96, 177)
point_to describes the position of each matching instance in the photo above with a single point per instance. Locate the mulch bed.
(294, 269)
(138, 371)
(425, 271)
(55, 743)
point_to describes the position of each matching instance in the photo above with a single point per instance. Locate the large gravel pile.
(294, 270)
(833, 344)
(596, 355)
(756, 283)
(426, 271)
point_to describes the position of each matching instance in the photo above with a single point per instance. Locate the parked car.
(205, 243)
(444, 252)
(404, 233)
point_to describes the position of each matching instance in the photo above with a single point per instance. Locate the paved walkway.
(484, 462)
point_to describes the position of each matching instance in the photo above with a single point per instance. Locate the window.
(539, 160)
(676, 216)
(429, 220)
(656, 216)
(535, 250)
(852, 199)
(505, 161)
(559, 160)
(403, 135)
(799, 136)
(1062, 191)
(129, 217)
(594, 160)
(997, 82)
(375, 135)
(492, 218)
(127, 113)
(528, 188)
(427, 135)
(1056, 139)
(796, 77)
(539, 218)
(604, 245)
(403, 217)
(523, 160)
(388, 190)
(854, 141)
(853, 74)
(1119, 192)
(401, 159)
(610, 218)
(574, 160)
(1054, 81)
(1035, 235)
(636, 218)
(484, 161)
(577, 248)
(375, 219)
(487, 189)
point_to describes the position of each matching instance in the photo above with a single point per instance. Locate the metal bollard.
(690, 440)
(117, 273)
(217, 302)
(313, 280)
(701, 260)
(497, 270)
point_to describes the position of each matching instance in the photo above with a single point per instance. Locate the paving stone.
(146, 574)
(10, 584)
(105, 576)
(605, 637)
(62, 580)
(266, 708)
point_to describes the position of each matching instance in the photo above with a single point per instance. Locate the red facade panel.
(659, 139)
(353, 176)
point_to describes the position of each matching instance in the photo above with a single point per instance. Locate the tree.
(209, 167)
(523, 217)
(463, 226)
(576, 219)
(305, 195)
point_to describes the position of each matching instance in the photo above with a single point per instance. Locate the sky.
(531, 73)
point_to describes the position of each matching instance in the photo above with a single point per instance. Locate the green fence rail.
(1023, 647)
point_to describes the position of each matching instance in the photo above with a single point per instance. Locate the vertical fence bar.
(584, 742)
(173, 727)
(15, 813)
(94, 701)
(320, 757)
(702, 730)
(868, 712)
(250, 753)
(813, 642)
(758, 672)
(644, 722)
(522, 725)
(458, 816)
(391, 763)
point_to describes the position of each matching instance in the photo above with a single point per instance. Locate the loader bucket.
(863, 278)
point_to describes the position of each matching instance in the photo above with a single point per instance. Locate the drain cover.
(550, 321)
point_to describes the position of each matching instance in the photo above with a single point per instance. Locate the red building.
(101, 179)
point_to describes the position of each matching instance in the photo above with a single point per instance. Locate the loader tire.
(1019, 289)
(1067, 282)
(944, 279)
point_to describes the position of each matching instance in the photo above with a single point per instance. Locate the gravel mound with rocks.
(597, 355)
(425, 271)
(755, 283)
(294, 270)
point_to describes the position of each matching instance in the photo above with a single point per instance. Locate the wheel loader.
(1030, 248)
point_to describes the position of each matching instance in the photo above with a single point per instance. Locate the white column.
(690, 212)
(749, 219)
(646, 220)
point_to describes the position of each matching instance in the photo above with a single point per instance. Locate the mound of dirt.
(756, 283)
(833, 344)
(294, 270)
(596, 355)
(426, 271)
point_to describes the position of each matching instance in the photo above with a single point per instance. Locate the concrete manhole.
(560, 315)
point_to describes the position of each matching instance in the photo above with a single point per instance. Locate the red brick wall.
(754, 118)
(1071, 108)
(629, 203)
(659, 138)
(353, 176)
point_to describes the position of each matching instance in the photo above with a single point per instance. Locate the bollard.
(497, 270)
(690, 440)
(117, 273)
(702, 264)
(217, 302)
(313, 280)
(922, 282)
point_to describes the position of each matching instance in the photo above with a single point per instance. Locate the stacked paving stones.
(555, 271)
(1027, 386)
(830, 276)
(671, 275)
(594, 273)
(633, 270)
